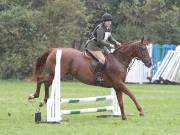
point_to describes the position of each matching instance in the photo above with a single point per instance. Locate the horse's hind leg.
(47, 84)
(40, 80)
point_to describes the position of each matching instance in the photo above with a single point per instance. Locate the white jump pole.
(116, 109)
(53, 103)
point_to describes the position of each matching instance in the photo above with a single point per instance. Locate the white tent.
(138, 73)
(169, 70)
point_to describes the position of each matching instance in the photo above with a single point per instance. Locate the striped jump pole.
(86, 100)
(114, 108)
(88, 110)
(54, 112)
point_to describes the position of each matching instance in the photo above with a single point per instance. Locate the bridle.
(141, 50)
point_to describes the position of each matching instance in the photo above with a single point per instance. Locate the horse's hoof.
(124, 118)
(45, 100)
(141, 114)
(41, 104)
(31, 97)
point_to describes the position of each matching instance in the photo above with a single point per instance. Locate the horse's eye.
(143, 48)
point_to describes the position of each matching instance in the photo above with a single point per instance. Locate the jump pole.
(53, 103)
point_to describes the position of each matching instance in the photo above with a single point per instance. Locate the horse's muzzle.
(148, 63)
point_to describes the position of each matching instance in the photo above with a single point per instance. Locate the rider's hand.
(112, 46)
(118, 44)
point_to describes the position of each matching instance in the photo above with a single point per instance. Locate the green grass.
(161, 104)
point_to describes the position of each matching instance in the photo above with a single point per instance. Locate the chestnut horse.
(75, 63)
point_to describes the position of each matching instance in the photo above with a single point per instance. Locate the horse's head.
(141, 52)
(135, 49)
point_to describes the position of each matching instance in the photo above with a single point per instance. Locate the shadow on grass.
(107, 116)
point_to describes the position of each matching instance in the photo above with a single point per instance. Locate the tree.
(26, 32)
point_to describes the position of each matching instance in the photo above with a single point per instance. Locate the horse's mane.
(130, 42)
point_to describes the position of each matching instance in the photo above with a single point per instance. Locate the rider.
(102, 40)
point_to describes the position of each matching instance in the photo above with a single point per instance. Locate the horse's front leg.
(119, 95)
(125, 90)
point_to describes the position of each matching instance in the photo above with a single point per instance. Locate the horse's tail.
(40, 63)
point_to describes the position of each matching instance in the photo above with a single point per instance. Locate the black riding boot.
(98, 70)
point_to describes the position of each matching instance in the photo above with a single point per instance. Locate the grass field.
(161, 104)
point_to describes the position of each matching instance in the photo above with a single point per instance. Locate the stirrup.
(100, 82)
(99, 79)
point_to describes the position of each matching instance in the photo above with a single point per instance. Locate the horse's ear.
(142, 39)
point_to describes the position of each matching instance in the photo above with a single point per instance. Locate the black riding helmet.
(107, 17)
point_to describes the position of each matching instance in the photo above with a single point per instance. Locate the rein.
(127, 56)
(130, 65)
